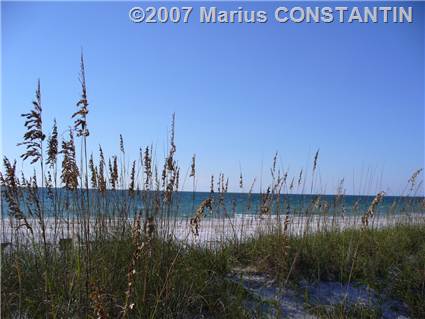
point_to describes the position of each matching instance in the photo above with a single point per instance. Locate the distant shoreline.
(240, 226)
(371, 195)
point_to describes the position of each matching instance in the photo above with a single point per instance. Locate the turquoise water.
(185, 203)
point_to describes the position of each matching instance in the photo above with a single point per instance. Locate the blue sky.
(240, 92)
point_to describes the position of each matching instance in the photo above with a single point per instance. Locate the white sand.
(212, 231)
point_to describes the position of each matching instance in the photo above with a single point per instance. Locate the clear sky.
(240, 91)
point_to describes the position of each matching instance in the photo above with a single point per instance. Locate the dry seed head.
(316, 202)
(252, 186)
(170, 158)
(52, 146)
(300, 177)
(113, 172)
(250, 194)
(164, 174)
(173, 128)
(34, 137)
(138, 249)
(273, 170)
(149, 227)
(171, 185)
(412, 179)
(12, 194)
(96, 298)
(192, 166)
(93, 172)
(122, 144)
(34, 209)
(80, 123)
(286, 223)
(177, 178)
(196, 220)
(285, 176)
(339, 193)
(266, 203)
(212, 185)
(131, 187)
(325, 206)
(49, 185)
(316, 156)
(101, 180)
(70, 172)
(147, 160)
(371, 210)
(356, 205)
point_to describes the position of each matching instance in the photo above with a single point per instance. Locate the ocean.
(183, 204)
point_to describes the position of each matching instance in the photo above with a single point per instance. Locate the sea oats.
(93, 172)
(96, 298)
(131, 187)
(177, 178)
(34, 136)
(286, 223)
(412, 179)
(300, 177)
(372, 208)
(49, 185)
(147, 160)
(12, 194)
(195, 221)
(291, 186)
(285, 176)
(149, 228)
(122, 149)
(138, 245)
(316, 156)
(170, 158)
(171, 185)
(251, 189)
(273, 169)
(265, 208)
(80, 124)
(212, 185)
(192, 166)
(113, 172)
(101, 179)
(52, 146)
(70, 171)
(240, 181)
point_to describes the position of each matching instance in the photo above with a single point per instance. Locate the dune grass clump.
(97, 235)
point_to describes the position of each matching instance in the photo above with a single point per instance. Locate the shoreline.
(211, 231)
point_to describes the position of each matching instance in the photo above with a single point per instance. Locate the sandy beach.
(211, 231)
